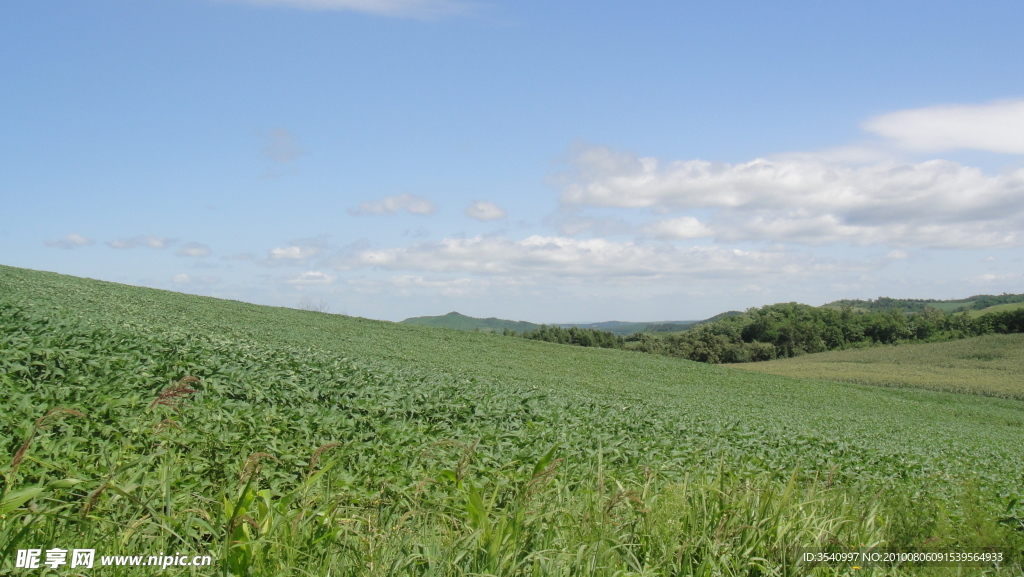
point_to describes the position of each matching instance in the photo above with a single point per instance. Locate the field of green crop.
(987, 365)
(996, 309)
(284, 442)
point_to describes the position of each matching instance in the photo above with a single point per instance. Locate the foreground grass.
(284, 442)
(987, 365)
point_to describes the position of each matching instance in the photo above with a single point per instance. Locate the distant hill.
(973, 303)
(721, 316)
(995, 309)
(623, 328)
(454, 320)
(458, 321)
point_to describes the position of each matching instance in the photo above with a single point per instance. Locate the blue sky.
(545, 161)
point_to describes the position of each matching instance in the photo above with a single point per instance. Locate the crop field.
(987, 365)
(996, 309)
(285, 442)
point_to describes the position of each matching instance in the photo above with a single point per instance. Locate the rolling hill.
(972, 303)
(280, 441)
(455, 320)
(985, 365)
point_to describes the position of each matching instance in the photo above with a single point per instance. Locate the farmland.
(291, 442)
(985, 365)
(996, 309)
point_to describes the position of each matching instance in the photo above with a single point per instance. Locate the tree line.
(791, 329)
(572, 336)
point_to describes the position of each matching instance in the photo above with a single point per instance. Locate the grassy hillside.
(454, 320)
(996, 309)
(986, 365)
(972, 303)
(291, 442)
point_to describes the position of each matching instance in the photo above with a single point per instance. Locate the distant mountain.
(976, 304)
(454, 320)
(623, 328)
(458, 321)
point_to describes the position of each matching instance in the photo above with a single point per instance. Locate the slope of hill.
(972, 303)
(454, 320)
(975, 313)
(986, 365)
(283, 442)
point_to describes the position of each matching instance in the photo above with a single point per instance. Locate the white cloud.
(456, 287)
(989, 279)
(678, 228)
(563, 257)
(194, 250)
(294, 252)
(413, 8)
(483, 211)
(154, 242)
(572, 224)
(898, 255)
(70, 241)
(282, 146)
(399, 202)
(936, 203)
(313, 277)
(994, 127)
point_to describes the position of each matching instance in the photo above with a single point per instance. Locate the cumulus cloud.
(591, 258)
(282, 146)
(994, 127)
(573, 224)
(936, 203)
(989, 279)
(313, 277)
(294, 252)
(405, 8)
(392, 204)
(455, 287)
(194, 250)
(154, 242)
(483, 211)
(678, 228)
(70, 241)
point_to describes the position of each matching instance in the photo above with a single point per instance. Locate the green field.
(996, 309)
(286, 442)
(987, 365)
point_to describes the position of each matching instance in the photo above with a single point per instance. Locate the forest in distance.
(791, 329)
